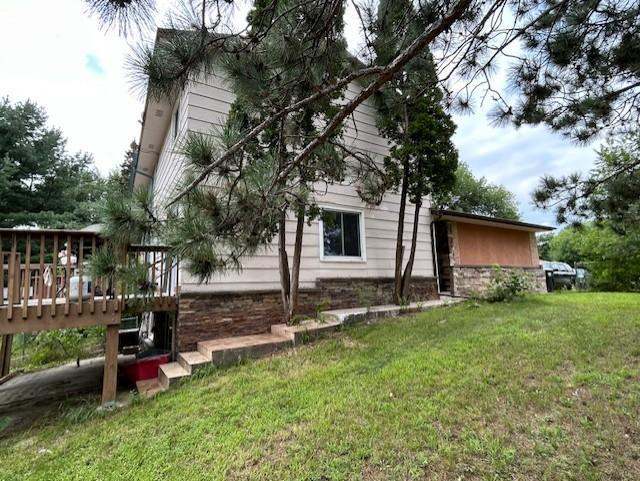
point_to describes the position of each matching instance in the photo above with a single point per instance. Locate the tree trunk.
(295, 269)
(285, 278)
(397, 290)
(5, 354)
(406, 278)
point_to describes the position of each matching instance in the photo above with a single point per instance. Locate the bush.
(53, 347)
(506, 285)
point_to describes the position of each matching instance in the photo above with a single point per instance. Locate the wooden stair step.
(171, 373)
(192, 361)
(233, 349)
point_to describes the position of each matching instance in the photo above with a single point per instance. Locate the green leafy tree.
(612, 260)
(478, 196)
(543, 241)
(567, 245)
(604, 208)
(41, 183)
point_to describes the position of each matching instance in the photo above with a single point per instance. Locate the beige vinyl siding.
(207, 102)
(170, 162)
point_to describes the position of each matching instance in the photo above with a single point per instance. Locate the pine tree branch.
(383, 77)
(267, 122)
(384, 74)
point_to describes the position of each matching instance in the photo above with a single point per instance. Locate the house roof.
(463, 217)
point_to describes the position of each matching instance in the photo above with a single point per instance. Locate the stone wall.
(212, 315)
(474, 280)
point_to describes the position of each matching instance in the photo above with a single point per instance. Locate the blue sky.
(77, 72)
(93, 65)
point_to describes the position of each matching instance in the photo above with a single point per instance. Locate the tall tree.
(422, 157)
(477, 196)
(575, 67)
(120, 178)
(41, 183)
(260, 183)
(604, 207)
(544, 249)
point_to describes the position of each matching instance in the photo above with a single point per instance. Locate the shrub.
(52, 347)
(506, 285)
(365, 296)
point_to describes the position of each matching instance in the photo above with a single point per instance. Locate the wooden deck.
(46, 283)
(106, 311)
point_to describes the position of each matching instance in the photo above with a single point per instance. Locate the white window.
(342, 235)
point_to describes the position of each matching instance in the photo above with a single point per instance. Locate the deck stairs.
(231, 350)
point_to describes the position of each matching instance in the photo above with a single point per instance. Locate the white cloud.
(48, 63)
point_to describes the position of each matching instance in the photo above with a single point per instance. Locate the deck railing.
(46, 275)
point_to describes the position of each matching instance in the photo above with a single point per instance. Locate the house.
(346, 263)
(333, 273)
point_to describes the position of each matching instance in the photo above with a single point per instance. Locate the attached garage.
(468, 247)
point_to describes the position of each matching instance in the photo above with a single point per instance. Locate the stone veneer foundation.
(473, 280)
(213, 315)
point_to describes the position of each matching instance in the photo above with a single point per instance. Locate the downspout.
(434, 251)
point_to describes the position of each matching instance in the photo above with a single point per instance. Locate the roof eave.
(463, 217)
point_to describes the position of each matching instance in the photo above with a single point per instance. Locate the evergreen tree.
(422, 157)
(579, 68)
(247, 200)
(120, 178)
(610, 192)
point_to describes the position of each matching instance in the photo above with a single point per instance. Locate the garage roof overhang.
(462, 217)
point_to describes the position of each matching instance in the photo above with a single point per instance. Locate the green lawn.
(542, 388)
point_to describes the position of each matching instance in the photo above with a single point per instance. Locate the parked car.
(559, 275)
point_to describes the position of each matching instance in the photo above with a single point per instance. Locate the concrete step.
(306, 331)
(150, 387)
(230, 350)
(192, 361)
(170, 374)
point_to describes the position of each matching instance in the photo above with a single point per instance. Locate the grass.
(542, 388)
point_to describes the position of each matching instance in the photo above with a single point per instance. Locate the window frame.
(361, 227)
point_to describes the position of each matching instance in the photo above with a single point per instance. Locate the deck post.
(110, 380)
(5, 354)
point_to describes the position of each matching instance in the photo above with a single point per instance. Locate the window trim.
(361, 227)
